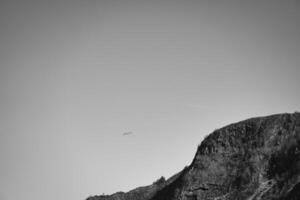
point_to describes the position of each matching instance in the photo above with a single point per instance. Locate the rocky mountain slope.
(255, 159)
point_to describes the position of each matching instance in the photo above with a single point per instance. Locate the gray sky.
(76, 75)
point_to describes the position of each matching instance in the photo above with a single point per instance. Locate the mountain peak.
(258, 158)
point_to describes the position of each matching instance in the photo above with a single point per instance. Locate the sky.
(100, 96)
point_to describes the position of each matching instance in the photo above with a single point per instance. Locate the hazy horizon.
(105, 96)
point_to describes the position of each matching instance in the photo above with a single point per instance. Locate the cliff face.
(255, 159)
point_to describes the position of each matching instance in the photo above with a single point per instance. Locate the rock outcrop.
(255, 159)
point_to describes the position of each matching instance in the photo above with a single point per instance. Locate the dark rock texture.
(255, 159)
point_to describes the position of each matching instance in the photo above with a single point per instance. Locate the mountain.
(255, 159)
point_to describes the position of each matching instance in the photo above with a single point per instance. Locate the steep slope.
(255, 159)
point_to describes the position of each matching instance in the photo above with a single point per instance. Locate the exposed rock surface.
(255, 159)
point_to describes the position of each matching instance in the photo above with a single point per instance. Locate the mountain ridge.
(254, 159)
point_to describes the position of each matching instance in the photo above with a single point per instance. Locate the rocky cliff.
(255, 159)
